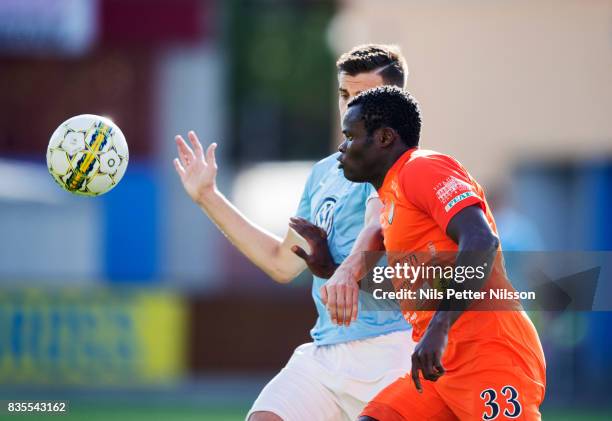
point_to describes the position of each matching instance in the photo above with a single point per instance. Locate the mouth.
(340, 162)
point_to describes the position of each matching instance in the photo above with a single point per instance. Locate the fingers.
(438, 364)
(348, 305)
(181, 154)
(179, 168)
(341, 299)
(348, 296)
(197, 146)
(427, 367)
(301, 230)
(340, 303)
(354, 303)
(414, 373)
(309, 231)
(332, 308)
(296, 226)
(185, 153)
(210, 155)
(323, 292)
(429, 364)
(300, 252)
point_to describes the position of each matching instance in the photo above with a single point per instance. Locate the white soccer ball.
(87, 155)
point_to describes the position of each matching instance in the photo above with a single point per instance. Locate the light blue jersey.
(337, 205)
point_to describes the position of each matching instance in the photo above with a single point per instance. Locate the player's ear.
(386, 136)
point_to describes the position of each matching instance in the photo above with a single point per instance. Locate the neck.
(386, 165)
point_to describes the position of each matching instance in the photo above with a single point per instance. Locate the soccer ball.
(87, 155)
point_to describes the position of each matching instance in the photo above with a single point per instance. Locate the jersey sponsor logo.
(458, 199)
(447, 189)
(324, 217)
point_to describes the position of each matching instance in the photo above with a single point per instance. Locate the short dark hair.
(389, 106)
(387, 59)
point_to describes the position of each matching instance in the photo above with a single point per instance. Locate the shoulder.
(429, 171)
(424, 161)
(423, 158)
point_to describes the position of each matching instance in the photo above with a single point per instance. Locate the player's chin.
(350, 174)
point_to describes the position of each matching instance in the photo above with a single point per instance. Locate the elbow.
(284, 273)
(483, 241)
(496, 242)
(488, 242)
(493, 242)
(282, 277)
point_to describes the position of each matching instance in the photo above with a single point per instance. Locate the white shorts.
(335, 382)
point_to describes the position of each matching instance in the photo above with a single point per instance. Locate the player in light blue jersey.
(354, 354)
(337, 207)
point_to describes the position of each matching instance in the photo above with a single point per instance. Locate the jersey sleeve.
(440, 187)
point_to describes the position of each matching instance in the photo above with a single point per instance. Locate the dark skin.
(319, 261)
(364, 157)
(367, 158)
(477, 245)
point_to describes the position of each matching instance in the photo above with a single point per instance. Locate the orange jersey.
(494, 362)
(421, 192)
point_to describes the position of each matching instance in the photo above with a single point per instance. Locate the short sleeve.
(440, 187)
(303, 210)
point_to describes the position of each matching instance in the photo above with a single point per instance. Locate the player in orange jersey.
(468, 364)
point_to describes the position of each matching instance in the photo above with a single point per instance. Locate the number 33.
(490, 398)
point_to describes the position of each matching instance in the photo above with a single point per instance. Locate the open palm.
(198, 172)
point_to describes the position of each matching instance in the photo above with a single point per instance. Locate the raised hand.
(319, 261)
(198, 172)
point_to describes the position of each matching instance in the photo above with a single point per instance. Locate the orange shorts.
(491, 376)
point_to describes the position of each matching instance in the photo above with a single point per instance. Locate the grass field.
(192, 413)
(211, 398)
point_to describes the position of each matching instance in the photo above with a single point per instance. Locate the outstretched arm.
(272, 254)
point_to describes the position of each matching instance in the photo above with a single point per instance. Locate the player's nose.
(342, 147)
